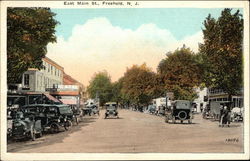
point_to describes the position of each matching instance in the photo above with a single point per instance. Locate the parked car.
(180, 110)
(95, 110)
(25, 126)
(111, 110)
(151, 109)
(237, 114)
(77, 114)
(206, 112)
(213, 109)
(53, 116)
(161, 111)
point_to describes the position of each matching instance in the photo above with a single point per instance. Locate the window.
(48, 67)
(45, 66)
(26, 79)
(51, 69)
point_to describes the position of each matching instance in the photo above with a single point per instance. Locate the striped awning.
(69, 101)
(51, 98)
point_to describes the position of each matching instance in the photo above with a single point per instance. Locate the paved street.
(137, 132)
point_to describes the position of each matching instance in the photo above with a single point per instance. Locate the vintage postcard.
(124, 80)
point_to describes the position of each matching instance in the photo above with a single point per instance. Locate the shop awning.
(69, 101)
(51, 98)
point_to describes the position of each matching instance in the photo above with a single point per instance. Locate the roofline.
(67, 75)
(50, 61)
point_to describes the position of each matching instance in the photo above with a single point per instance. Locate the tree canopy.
(29, 30)
(139, 84)
(222, 51)
(100, 86)
(180, 72)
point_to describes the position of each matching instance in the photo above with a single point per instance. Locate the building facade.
(71, 92)
(39, 80)
(220, 95)
(200, 101)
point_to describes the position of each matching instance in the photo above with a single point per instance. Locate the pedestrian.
(225, 116)
(220, 116)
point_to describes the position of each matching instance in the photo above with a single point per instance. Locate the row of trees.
(218, 64)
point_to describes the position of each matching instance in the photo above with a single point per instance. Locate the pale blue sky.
(181, 22)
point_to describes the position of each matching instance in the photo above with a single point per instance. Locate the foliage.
(180, 72)
(29, 30)
(100, 86)
(222, 51)
(116, 91)
(139, 84)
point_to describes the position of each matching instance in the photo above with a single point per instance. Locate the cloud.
(98, 45)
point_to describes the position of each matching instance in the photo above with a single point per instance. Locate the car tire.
(182, 115)
(166, 119)
(32, 133)
(54, 128)
(77, 120)
(173, 120)
(67, 125)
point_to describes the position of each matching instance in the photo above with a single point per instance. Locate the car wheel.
(54, 128)
(173, 120)
(32, 133)
(182, 115)
(39, 135)
(67, 125)
(166, 119)
(77, 121)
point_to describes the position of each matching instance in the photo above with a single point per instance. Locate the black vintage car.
(111, 110)
(77, 114)
(180, 110)
(25, 126)
(53, 116)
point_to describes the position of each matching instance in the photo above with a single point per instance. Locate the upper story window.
(51, 69)
(48, 67)
(26, 79)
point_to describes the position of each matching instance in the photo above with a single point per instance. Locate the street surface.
(137, 132)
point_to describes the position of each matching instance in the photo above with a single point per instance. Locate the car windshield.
(110, 107)
(65, 110)
(183, 105)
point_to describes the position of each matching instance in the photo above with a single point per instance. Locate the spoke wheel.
(67, 125)
(54, 128)
(32, 133)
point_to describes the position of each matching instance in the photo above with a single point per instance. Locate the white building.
(201, 104)
(38, 80)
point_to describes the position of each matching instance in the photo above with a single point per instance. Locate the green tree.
(222, 51)
(180, 73)
(100, 85)
(116, 91)
(29, 30)
(139, 84)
